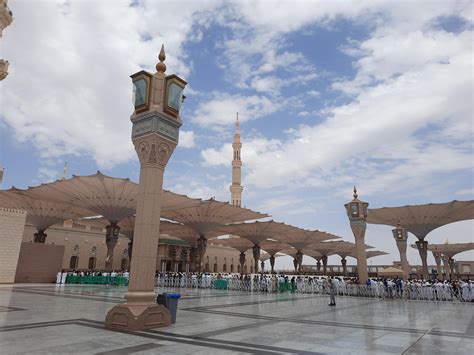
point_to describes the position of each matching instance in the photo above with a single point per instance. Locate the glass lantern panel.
(140, 92)
(354, 209)
(175, 96)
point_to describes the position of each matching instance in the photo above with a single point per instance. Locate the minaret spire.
(236, 187)
(64, 172)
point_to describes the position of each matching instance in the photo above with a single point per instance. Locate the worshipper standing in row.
(61, 277)
(332, 291)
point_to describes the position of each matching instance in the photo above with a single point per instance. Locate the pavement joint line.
(416, 341)
(210, 340)
(333, 324)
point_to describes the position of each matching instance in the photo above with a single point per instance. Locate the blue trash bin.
(170, 301)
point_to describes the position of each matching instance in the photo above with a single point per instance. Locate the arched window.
(124, 264)
(92, 261)
(73, 262)
(231, 267)
(94, 251)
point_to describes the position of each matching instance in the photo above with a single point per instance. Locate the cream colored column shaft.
(402, 249)
(359, 234)
(447, 268)
(422, 246)
(147, 230)
(437, 258)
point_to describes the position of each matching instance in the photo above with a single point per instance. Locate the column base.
(136, 317)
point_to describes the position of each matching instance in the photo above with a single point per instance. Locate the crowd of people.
(462, 290)
(396, 288)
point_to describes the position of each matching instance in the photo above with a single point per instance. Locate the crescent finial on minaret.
(160, 66)
(355, 193)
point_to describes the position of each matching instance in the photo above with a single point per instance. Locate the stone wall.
(12, 224)
(81, 242)
(39, 262)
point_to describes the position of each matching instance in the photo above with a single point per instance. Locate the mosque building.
(76, 245)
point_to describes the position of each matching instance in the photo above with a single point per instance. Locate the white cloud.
(221, 109)
(186, 139)
(407, 81)
(74, 96)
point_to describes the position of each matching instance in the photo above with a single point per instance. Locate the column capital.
(358, 227)
(153, 150)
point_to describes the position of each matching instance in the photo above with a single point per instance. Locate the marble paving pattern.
(49, 319)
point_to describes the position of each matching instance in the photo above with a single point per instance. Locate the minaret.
(236, 187)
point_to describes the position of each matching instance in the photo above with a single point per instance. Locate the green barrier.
(97, 280)
(220, 284)
(286, 287)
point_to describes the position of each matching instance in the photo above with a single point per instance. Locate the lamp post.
(357, 213)
(156, 121)
(422, 247)
(401, 236)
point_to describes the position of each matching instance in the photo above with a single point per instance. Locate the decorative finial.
(355, 193)
(399, 225)
(237, 124)
(161, 67)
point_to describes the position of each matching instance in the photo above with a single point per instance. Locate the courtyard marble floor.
(48, 319)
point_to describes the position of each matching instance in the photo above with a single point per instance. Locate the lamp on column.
(357, 213)
(155, 132)
(401, 236)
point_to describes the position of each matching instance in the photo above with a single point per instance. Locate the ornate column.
(344, 266)
(155, 133)
(324, 258)
(401, 236)
(423, 250)
(295, 264)
(111, 237)
(452, 267)
(256, 256)
(262, 266)
(357, 213)
(40, 237)
(318, 266)
(272, 264)
(242, 262)
(437, 257)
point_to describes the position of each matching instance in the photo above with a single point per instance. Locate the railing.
(97, 280)
(444, 292)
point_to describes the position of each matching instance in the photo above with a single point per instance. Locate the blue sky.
(330, 94)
